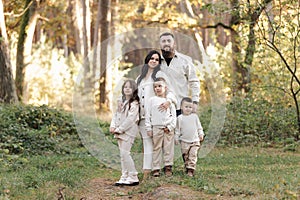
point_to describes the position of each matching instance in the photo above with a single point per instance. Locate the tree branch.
(20, 14)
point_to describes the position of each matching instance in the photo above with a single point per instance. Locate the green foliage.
(258, 121)
(30, 130)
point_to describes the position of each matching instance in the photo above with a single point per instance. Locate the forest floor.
(226, 173)
(104, 189)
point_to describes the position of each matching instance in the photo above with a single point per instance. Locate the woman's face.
(154, 61)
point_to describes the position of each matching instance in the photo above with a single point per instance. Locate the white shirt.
(182, 75)
(188, 128)
(125, 120)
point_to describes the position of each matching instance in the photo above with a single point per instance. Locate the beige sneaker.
(190, 172)
(156, 173)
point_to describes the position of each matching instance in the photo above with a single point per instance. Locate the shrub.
(33, 130)
(256, 121)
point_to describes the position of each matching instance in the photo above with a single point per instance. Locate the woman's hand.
(150, 133)
(164, 106)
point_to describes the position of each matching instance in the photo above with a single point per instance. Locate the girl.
(124, 127)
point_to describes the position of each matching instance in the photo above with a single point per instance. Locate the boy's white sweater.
(157, 118)
(188, 128)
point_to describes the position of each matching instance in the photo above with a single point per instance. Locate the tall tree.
(242, 16)
(27, 28)
(283, 37)
(242, 67)
(96, 37)
(105, 28)
(86, 43)
(7, 85)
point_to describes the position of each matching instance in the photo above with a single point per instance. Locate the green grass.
(252, 171)
(42, 176)
(235, 173)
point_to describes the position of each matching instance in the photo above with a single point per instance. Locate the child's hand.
(112, 129)
(201, 138)
(117, 131)
(166, 130)
(176, 142)
(150, 133)
(120, 105)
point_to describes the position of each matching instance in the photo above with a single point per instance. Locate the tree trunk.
(86, 41)
(24, 45)
(96, 39)
(78, 23)
(113, 69)
(236, 51)
(105, 22)
(241, 69)
(7, 85)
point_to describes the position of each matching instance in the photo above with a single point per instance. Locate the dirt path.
(104, 189)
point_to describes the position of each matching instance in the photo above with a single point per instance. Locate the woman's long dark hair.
(145, 67)
(134, 96)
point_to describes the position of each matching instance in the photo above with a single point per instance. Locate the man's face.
(167, 43)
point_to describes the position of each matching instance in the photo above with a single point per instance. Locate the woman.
(150, 71)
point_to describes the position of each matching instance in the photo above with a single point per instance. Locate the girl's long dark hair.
(134, 96)
(145, 67)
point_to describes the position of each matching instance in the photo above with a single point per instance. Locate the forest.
(246, 53)
(62, 64)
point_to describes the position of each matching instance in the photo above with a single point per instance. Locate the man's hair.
(186, 99)
(166, 34)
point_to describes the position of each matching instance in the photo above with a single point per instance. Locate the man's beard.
(167, 54)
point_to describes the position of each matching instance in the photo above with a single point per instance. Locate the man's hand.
(176, 142)
(195, 107)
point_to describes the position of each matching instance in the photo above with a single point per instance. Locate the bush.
(257, 121)
(35, 130)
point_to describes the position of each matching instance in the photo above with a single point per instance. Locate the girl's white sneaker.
(131, 180)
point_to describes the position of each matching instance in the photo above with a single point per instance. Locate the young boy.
(190, 133)
(160, 125)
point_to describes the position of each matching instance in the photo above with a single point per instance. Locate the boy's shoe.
(168, 171)
(132, 180)
(190, 172)
(156, 173)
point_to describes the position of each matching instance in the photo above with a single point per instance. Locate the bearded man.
(180, 71)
